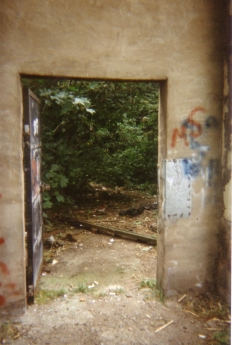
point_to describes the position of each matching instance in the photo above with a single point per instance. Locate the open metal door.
(33, 197)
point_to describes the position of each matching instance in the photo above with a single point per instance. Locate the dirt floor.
(100, 289)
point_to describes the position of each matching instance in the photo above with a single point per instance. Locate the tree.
(100, 131)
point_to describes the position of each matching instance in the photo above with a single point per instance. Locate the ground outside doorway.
(100, 289)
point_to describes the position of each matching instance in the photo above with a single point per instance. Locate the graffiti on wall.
(7, 288)
(191, 132)
(189, 129)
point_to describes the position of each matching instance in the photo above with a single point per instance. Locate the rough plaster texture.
(178, 43)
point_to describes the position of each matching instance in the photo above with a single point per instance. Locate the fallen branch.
(164, 326)
(110, 221)
(107, 230)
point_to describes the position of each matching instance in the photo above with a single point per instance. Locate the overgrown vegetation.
(103, 132)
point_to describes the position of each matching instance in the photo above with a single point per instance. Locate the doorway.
(114, 156)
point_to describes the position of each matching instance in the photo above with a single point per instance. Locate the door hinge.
(30, 291)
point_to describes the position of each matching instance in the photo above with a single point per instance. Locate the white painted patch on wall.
(178, 189)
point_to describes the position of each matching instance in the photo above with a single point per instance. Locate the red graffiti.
(194, 127)
(2, 240)
(16, 293)
(4, 269)
(181, 134)
(10, 286)
(2, 300)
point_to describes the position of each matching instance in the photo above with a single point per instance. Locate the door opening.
(100, 155)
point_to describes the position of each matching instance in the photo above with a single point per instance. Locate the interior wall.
(173, 41)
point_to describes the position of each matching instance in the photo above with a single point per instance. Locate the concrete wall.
(178, 43)
(224, 235)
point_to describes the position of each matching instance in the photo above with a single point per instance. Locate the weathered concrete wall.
(179, 43)
(224, 235)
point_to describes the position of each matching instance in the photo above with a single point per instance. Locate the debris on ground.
(108, 230)
(69, 237)
(98, 293)
(164, 326)
(136, 211)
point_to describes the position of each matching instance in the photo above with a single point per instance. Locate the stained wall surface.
(181, 44)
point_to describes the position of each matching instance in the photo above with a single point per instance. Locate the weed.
(151, 284)
(99, 294)
(148, 283)
(44, 296)
(221, 338)
(160, 295)
(7, 330)
(83, 288)
(47, 259)
(119, 291)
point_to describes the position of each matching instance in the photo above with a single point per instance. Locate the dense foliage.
(100, 131)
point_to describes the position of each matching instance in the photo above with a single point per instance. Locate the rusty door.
(33, 197)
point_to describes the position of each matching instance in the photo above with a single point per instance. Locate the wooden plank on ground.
(111, 231)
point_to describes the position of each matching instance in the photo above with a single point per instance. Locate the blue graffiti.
(191, 168)
(191, 131)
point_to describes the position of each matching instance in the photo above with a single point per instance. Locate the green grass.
(119, 291)
(99, 294)
(221, 338)
(148, 283)
(44, 296)
(82, 287)
(151, 284)
(7, 330)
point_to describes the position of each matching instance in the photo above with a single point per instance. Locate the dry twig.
(188, 311)
(181, 298)
(164, 326)
(21, 334)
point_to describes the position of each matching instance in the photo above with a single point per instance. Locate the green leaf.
(66, 108)
(55, 167)
(60, 198)
(47, 204)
